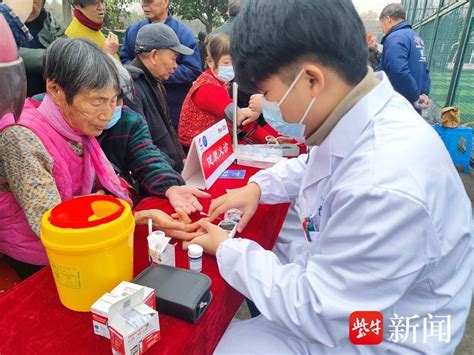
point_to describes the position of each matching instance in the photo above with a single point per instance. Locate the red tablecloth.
(33, 321)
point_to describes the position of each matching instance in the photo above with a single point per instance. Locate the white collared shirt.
(392, 232)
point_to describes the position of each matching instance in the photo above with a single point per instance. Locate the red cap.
(77, 213)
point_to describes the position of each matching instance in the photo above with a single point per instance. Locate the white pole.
(150, 226)
(235, 91)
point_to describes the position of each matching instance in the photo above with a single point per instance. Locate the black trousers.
(23, 270)
(254, 312)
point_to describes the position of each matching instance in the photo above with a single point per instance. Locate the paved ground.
(467, 345)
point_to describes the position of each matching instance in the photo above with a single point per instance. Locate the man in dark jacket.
(127, 143)
(157, 48)
(404, 58)
(189, 66)
(45, 28)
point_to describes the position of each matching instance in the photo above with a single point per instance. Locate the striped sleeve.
(147, 163)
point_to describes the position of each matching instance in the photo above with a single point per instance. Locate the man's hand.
(245, 199)
(185, 198)
(111, 44)
(171, 227)
(211, 238)
(246, 116)
(255, 103)
(423, 102)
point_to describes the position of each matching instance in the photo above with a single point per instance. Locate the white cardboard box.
(134, 326)
(100, 309)
(160, 250)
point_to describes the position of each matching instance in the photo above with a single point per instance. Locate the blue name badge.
(233, 174)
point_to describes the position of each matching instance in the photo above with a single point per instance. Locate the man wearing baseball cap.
(157, 48)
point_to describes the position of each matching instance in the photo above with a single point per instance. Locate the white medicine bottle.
(195, 257)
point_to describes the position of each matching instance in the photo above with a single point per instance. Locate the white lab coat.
(394, 235)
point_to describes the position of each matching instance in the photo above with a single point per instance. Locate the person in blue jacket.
(189, 66)
(404, 58)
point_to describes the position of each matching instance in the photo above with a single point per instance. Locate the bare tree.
(370, 15)
(67, 15)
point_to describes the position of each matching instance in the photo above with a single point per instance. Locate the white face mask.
(226, 73)
(274, 117)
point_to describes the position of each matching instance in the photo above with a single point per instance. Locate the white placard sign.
(209, 156)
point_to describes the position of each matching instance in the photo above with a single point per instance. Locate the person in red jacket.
(206, 102)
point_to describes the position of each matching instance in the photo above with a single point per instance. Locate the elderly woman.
(87, 23)
(51, 154)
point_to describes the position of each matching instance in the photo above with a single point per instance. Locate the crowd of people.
(114, 124)
(370, 199)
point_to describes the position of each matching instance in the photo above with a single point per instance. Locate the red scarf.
(86, 22)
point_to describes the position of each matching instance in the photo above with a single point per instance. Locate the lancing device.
(230, 227)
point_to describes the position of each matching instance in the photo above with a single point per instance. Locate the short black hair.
(394, 11)
(271, 35)
(76, 64)
(202, 36)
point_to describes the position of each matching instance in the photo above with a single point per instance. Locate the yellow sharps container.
(89, 242)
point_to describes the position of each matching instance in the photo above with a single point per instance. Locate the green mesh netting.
(431, 7)
(444, 52)
(464, 96)
(419, 11)
(426, 32)
(449, 2)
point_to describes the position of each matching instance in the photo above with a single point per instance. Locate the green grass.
(464, 97)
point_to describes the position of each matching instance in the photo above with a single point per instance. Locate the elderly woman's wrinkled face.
(90, 110)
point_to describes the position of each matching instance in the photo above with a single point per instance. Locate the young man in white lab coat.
(387, 219)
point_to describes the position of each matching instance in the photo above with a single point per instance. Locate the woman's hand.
(185, 198)
(245, 199)
(171, 227)
(111, 44)
(211, 238)
(255, 103)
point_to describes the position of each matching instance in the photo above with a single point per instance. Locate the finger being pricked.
(172, 225)
(192, 227)
(185, 236)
